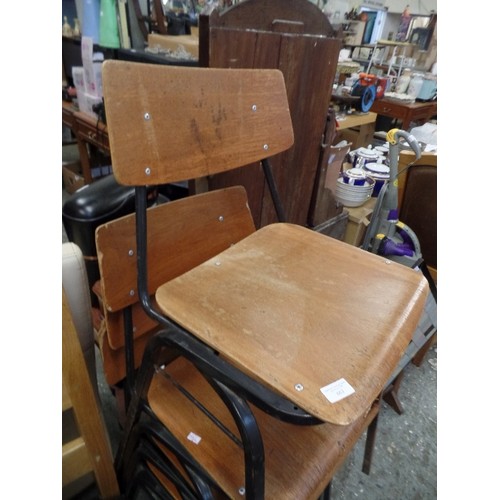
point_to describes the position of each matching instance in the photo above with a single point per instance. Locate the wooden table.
(87, 131)
(190, 43)
(364, 123)
(300, 340)
(407, 113)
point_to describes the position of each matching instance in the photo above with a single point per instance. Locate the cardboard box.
(359, 219)
(334, 227)
(72, 176)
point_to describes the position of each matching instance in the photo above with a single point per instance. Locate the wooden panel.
(141, 324)
(281, 299)
(181, 235)
(171, 123)
(113, 360)
(405, 159)
(263, 14)
(244, 49)
(417, 191)
(95, 452)
(66, 399)
(308, 64)
(76, 461)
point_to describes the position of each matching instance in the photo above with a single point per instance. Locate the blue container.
(90, 22)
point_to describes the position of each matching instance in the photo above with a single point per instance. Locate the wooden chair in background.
(417, 200)
(417, 196)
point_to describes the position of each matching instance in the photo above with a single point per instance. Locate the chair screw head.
(266, 147)
(147, 171)
(299, 387)
(241, 491)
(147, 116)
(221, 218)
(131, 252)
(254, 107)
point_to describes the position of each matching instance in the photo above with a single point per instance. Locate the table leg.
(84, 160)
(365, 136)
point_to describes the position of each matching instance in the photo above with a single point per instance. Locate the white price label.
(194, 438)
(337, 390)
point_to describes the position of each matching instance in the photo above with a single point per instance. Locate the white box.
(86, 101)
(78, 78)
(91, 68)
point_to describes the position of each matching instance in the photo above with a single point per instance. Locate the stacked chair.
(246, 329)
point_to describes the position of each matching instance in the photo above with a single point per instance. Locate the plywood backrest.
(172, 123)
(181, 235)
(407, 158)
(417, 193)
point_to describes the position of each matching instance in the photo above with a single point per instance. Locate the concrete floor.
(404, 465)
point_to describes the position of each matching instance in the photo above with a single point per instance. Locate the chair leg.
(370, 445)
(326, 495)
(391, 394)
(419, 357)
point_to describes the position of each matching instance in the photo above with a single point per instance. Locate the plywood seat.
(299, 460)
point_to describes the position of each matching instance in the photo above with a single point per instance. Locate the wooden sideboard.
(88, 131)
(420, 112)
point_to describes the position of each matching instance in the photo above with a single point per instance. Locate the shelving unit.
(382, 54)
(353, 32)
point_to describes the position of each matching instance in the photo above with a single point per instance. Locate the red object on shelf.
(367, 79)
(382, 84)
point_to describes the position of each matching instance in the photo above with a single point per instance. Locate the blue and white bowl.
(352, 195)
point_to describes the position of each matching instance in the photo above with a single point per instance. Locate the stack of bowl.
(354, 188)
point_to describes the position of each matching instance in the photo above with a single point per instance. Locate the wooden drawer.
(93, 133)
(393, 110)
(68, 117)
(416, 111)
(423, 113)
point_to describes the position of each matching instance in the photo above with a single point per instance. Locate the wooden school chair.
(251, 337)
(417, 193)
(417, 199)
(201, 221)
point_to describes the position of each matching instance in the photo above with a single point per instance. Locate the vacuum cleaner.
(386, 235)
